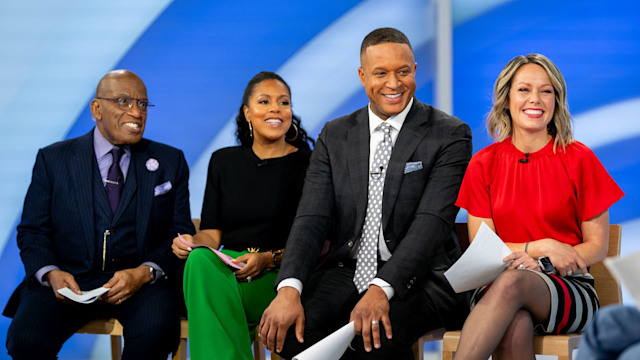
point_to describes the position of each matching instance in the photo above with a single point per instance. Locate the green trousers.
(223, 312)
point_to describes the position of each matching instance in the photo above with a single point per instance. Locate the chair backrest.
(607, 287)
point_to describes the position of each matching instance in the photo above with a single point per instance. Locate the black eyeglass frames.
(125, 103)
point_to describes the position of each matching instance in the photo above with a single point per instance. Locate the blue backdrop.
(197, 56)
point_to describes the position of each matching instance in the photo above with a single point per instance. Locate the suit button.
(350, 243)
(408, 286)
(340, 264)
(411, 281)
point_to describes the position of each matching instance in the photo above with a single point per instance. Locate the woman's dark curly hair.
(243, 134)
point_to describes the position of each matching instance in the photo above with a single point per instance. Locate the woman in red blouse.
(545, 195)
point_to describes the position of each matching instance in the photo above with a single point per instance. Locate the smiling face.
(531, 100)
(387, 73)
(119, 127)
(269, 111)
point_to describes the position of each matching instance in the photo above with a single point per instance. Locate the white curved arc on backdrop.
(608, 124)
(51, 62)
(323, 73)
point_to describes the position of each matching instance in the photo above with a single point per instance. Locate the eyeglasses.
(125, 103)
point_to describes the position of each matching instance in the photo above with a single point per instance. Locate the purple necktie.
(115, 180)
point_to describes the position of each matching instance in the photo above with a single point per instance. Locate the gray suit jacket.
(418, 210)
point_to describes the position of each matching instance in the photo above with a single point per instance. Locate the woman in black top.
(250, 201)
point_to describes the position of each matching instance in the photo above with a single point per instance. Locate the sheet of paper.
(330, 348)
(87, 297)
(224, 257)
(481, 263)
(626, 269)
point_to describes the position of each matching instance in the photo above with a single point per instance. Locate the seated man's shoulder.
(438, 116)
(63, 146)
(345, 120)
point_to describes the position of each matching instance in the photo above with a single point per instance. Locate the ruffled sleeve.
(474, 195)
(595, 189)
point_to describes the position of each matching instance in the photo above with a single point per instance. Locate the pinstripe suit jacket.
(58, 226)
(418, 210)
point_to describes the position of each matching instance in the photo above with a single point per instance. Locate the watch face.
(546, 265)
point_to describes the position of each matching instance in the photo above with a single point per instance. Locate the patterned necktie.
(115, 180)
(367, 264)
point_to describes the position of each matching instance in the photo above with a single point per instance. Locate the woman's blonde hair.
(499, 122)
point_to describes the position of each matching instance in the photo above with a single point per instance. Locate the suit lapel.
(409, 138)
(146, 180)
(358, 161)
(81, 173)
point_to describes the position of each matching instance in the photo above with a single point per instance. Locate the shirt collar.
(395, 121)
(102, 146)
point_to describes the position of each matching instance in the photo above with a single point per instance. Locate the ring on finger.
(248, 278)
(569, 273)
(521, 266)
(119, 301)
(374, 322)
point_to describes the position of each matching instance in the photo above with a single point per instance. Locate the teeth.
(393, 96)
(533, 112)
(273, 121)
(132, 125)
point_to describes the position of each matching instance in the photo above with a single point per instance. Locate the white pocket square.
(412, 166)
(162, 188)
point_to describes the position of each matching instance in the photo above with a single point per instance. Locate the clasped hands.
(564, 257)
(369, 314)
(122, 286)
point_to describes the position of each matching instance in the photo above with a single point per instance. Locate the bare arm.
(593, 249)
(564, 257)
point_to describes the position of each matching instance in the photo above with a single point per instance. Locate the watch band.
(152, 272)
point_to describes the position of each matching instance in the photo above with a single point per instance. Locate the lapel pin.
(152, 164)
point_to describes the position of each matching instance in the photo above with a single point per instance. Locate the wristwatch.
(152, 272)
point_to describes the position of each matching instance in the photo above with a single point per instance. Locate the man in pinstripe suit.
(92, 221)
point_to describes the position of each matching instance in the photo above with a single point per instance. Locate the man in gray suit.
(381, 188)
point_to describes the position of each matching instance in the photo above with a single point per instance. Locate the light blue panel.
(53, 54)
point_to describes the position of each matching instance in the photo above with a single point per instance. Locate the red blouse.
(548, 196)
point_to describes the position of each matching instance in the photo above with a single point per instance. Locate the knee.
(291, 345)
(510, 285)
(198, 257)
(202, 263)
(25, 342)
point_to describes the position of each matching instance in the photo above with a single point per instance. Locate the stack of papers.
(481, 263)
(224, 257)
(87, 297)
(330, 348)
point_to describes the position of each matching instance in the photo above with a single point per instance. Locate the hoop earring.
(250, 129)
(295, 137)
